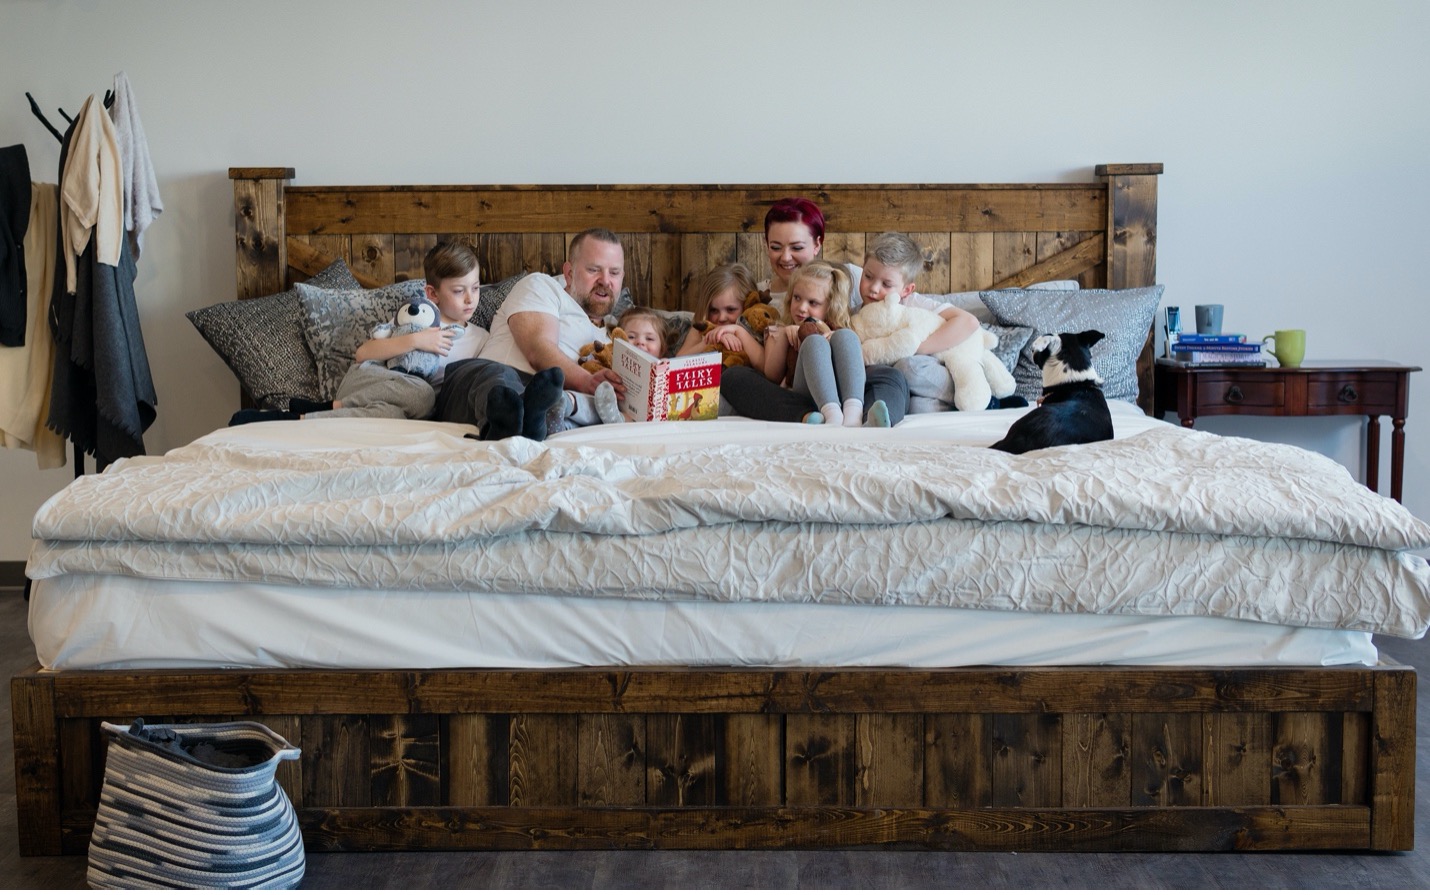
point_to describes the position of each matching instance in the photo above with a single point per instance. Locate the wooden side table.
(1316, 388)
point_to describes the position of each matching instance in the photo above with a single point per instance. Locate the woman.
(794, 234)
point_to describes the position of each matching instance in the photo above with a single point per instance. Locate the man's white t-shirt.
(542, 294)
(468, 345)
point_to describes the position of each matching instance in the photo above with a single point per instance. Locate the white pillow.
(970, 302)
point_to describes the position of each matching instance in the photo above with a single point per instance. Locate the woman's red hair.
(798, 210)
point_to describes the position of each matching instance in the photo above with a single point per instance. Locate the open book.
(670, 388)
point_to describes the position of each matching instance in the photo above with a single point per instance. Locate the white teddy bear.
(891, 331)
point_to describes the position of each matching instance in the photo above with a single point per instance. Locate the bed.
(1224, 694)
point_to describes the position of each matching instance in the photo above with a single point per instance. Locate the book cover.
(1210, 358)
(667, 388)
(1199, 339)
(1186, 344)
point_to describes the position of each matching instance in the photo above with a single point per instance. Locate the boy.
(370, 388)
(891, 264)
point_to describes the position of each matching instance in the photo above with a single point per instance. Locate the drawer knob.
(1234, 395)
(1348, 395)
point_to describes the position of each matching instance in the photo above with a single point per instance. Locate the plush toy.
(596, 356)
(416, 315)
(891, 331)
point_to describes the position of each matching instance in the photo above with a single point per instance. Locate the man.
(530, 358)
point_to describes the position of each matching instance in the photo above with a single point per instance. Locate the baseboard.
(12, 573)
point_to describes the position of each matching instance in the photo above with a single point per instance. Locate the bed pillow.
(928, 377)
(1124, 316)
(261, 340)
(490, 299)
(970, 301)
(337, 321)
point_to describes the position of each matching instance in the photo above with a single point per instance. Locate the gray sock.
(608, 407)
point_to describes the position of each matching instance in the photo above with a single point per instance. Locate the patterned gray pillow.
(261, 340)
(929, 379)
(1124, 316)
(490, 299)
(337, 321)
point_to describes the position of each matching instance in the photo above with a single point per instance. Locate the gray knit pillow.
(490, 299)
(261, 340)
(337, 321)
(1123, 316)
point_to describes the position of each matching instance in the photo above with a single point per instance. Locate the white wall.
(1294, 136)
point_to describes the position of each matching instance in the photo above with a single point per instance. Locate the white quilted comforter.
(1161, 521)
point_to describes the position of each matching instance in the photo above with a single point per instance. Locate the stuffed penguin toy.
(418, 314)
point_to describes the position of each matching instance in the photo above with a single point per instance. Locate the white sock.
(853, 412)
(833, 416)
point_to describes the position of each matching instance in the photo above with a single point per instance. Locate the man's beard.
(597, 305)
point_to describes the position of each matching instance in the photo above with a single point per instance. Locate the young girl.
(828, 366)
(722, 291)
(645, 329)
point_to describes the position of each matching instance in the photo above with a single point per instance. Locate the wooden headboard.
(975, 236)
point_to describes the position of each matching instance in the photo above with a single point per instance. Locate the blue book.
(1228, 347)
(1201, 340)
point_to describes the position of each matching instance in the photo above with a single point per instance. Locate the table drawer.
(1242, 391)
(1351, 392)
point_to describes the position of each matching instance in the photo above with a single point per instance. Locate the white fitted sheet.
(116, 622)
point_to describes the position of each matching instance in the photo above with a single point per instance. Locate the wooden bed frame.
(1072, 758)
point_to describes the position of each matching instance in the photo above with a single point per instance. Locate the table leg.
(1188, 422)
(1372, 453)
(1397, 456)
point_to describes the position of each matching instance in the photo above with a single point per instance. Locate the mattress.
(382, 544)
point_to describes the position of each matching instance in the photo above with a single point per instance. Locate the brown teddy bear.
(596, 356)
(757, 317)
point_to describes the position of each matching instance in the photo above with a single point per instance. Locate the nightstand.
(1316, 388)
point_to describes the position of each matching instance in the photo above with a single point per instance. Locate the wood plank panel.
(842, 247)
(1238, 757)
(991, 829)
(85, 747)
(819, 760)
(1305, 758)
(680, 766)
(36, 742)
(1131, 689)
(259, 222)
(540, 253)
(665, 271)
(749, 760)
(611, 764)
(1012, 254)
(1167, 759)
(638, 269)
(408, 252)
(500, 253)
(889, 760)
(1392, 761)
(405, 755)
(684, 209)
(372, 256)
(1027, 760)
(337, 761)
(543, 760)
(958, 756)
(475, 759)
(1097, 772)
(698, 253)
(289, 774)
(1355, 758)
(970, 262)
(937, 276)
(750, 251)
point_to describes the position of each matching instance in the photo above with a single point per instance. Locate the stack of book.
(1231, 349)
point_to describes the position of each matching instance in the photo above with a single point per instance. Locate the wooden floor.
(787, 870)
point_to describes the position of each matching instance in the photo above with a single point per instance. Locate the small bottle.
(1173, 330)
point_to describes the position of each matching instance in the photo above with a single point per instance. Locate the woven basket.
(195, 806)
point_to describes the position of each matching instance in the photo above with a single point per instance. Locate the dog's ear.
(1090, 337)
(1045, 347)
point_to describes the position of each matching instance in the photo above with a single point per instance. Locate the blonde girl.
(722, 292)
(827, 366)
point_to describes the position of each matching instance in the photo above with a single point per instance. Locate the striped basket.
(175, 813)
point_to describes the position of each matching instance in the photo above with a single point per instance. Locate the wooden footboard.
(1067, 759)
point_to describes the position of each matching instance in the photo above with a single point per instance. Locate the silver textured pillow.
(490, 299)
(337, 321)
(1124, 316)
(261, 340)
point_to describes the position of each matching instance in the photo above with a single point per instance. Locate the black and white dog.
(1073, 409)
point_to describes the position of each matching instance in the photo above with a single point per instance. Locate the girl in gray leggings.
(813, 350)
